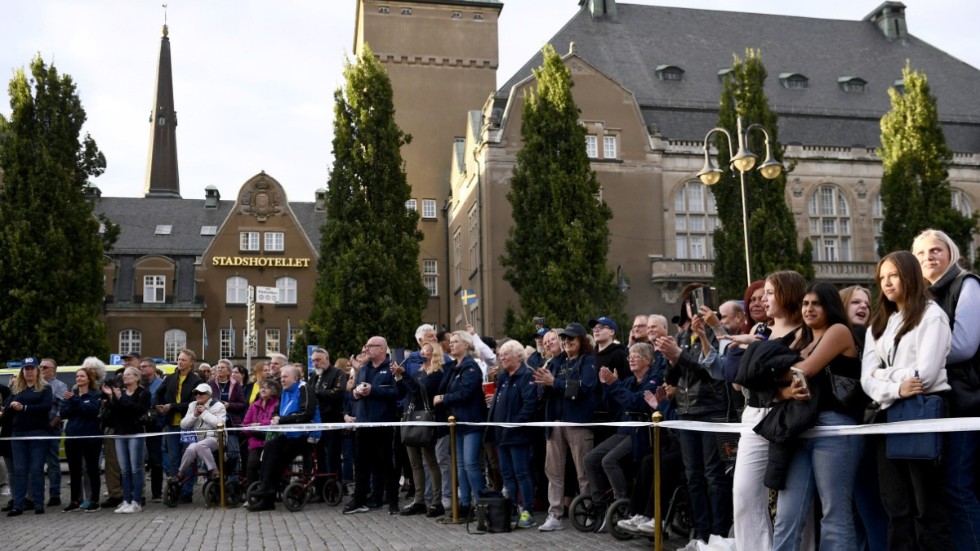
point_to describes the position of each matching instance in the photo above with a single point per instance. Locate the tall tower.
(162, 177)
(442, 58)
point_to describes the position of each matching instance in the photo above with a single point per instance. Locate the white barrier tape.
(955, 424)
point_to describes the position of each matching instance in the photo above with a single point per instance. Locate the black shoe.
(15, 513)
(54, 501)
(374, 504)
(262, 505)
(111, 503)
(393, 510)
(8, 507)
(464, 511)
(73, 506)
(39, 511)
(354, 508)
(413, 509)
(436, 511)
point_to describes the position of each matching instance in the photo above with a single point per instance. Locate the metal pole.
(658, 538)
(452, 466)
(745, 230)
(221, 463)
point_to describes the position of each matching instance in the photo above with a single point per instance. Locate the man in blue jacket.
(375, 396)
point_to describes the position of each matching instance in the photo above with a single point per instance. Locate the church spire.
(162, 178)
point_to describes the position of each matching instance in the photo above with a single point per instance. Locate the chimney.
(320, 200)
(890, 19)
(211, 197)
(601, 9)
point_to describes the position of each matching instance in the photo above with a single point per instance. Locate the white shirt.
(922, 349)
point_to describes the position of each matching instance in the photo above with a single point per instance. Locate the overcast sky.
(254, 79)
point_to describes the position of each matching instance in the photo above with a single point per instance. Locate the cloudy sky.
(254, 79)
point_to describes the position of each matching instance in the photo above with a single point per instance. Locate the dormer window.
(209, 230)
(164, 229)
(406, 11)
(794, 81)
(899, 86)
(478, 16)
(670, 72)
(852, 85)
(383, 10)
(457, 15)
(722, 73)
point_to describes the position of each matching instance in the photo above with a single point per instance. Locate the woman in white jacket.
(905, 355)
(203, 418)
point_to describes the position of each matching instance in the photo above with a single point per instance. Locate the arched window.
(130, 341)
(830, 224)
(695, 219)
(877, 219)
(174, 340)
(287, 290)
(236, 290)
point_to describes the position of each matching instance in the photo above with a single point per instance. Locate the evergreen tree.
(369, 279)
(772, 230)
(915, 190)
(51, 252)
(556, 250)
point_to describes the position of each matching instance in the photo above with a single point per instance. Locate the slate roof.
(702, 42)
(138, 218)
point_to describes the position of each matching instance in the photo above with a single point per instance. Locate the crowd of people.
(785, 357)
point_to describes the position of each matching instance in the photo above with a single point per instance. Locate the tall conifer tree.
(51, 252)
(915, 190)
(772, 230)
(556, 251)
(369, 278)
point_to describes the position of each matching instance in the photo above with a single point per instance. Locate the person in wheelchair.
(203, 417)
(297, 405)
(604, 464)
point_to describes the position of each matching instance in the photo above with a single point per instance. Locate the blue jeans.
(515, 469)
(175, 451)
(828, 467)
(130, 454)
(29, 458)
(708, 489)
(962, 506)
(468, 449)
(54, 463)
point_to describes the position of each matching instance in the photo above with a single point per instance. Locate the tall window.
(130, 340)
(695, 219)
(275, 241)
(457, 256)
(287, 290)
(249, 241)
(411, 204)
(877, 219)
(830, 224)
(227, 343)
(961, 202)
(428, 208)
(592, 146)
(236, 290)
(271, 341)
(154, 288)
(174, 340)
(474, 239)
(609, 150)
(293, 335)
(430, 275)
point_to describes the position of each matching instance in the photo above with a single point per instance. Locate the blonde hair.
(437, 361)
(19, 384)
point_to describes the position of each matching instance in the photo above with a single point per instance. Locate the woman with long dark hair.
(905, 355)
(823, 466)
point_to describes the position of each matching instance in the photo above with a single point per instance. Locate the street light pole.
(743, 161)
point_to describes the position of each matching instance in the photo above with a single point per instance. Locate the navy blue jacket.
(579, 407)
(514, 401)
(462, 394)
(37, 405)
(628, 395)
(379, 406)
(82, 413)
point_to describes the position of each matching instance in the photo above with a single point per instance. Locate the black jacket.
(698, 393)
(964, 377)
(167, 394)
(330, 387)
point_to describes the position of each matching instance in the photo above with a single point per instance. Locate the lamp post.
(621, 280)
(743, 161)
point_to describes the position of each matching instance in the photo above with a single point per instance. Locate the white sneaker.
(553, 523)
(631, 524)
(134, 508)
(123, 507)
(693, 545)
(646, 528)
(5, 491)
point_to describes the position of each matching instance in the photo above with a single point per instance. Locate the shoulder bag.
(418, 435)
(923, 445)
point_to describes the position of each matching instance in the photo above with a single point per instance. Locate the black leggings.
(89, 450)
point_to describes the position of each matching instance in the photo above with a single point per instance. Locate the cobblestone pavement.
(317, 526)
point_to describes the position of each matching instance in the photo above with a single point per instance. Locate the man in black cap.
(608, 352)
(131, 359)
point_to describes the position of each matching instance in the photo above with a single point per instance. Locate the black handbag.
(491, 513)
(923, 445)
(419, 435)
(848, 394)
